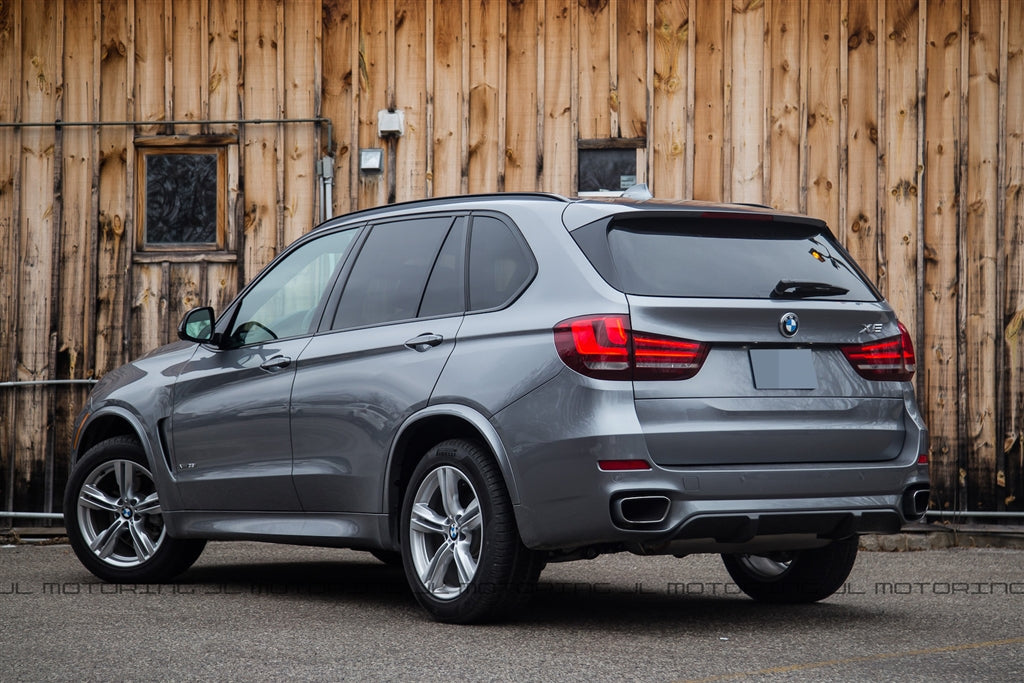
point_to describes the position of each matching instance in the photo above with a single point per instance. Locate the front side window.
(285, 301)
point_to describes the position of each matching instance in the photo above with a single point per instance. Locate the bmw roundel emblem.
(789, 324)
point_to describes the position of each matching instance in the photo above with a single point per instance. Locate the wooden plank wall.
(900, 122)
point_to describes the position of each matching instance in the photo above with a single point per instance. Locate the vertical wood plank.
(260, 141)
(1013, 247)
(937, 360)
(111, 257)
(75, 265)
(898, 279)
(10, 229)
(862, 135)
(411, 96)
(559, 141)
(373, 84)
(784, 98)
(301, 44)
(709, 100)
(150, 68)
(224, 80)
(631, 82)
(189, 44)
(40, 94)
(747, 103)
(337, 96)
(485, 47)
(823, 112)
(595, 94)
(185, 290)
(521, 101)
(149, 307)
(668, 115)
(447, 87)
(980, 256)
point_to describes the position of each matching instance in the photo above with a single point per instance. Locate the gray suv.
(473, 387)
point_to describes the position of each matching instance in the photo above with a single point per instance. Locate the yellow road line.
(860, 660)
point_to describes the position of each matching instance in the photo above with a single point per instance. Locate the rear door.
(774, 301)
(376, 360)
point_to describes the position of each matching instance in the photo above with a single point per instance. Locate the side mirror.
(197, 325)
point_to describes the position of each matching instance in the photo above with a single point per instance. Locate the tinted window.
(445, 288)
(498, 265)
(390, 272)
(285, 300)
(722, 258)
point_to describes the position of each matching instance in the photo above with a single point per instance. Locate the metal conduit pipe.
(176, 122)
(46, 382)
(32, 515)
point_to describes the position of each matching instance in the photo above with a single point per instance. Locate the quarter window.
(498, 265)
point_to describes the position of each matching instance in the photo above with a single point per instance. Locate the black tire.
(114, 521)
(463, 556)
(797, 576)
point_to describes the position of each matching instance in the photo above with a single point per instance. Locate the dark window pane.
(607, 169)
(498, 266)
(181, 198)
(444, 293)
(719, 258)
(390, 272)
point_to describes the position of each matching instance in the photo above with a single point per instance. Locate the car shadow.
(552, 603)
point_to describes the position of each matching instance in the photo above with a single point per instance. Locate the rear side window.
(723, 258)
(390, 273)
(499, 266)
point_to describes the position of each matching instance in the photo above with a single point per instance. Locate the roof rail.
(453, 199)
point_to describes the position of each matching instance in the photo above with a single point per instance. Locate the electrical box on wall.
(371, 160)
(390, 124)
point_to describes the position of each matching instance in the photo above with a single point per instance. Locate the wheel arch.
(424, 430)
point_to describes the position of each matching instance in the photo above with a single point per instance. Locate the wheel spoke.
(471, 517)
(149, 505)
(95, 499)
(103, 544)
(424, 519)
(450, 492)
(438, 567)
(142, 543)
(464, 563)
(123, 475)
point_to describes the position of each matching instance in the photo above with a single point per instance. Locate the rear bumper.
(567, 502)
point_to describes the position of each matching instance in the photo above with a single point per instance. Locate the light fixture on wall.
(371, 160)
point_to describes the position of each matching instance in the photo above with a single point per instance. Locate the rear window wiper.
(796, 289)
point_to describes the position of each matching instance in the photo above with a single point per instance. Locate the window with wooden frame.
(182, 193)
(608, 165)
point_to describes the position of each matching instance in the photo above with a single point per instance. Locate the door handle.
(276, 363)
(424, 342)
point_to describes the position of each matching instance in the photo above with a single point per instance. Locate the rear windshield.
(722, 258)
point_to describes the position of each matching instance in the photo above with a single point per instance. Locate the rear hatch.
(783, 316)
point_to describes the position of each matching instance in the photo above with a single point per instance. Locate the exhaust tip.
(648, 509)
(915, 503)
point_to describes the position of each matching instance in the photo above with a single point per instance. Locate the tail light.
(889, 359)
(604, 347)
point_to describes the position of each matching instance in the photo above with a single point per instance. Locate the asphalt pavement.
(258, 612)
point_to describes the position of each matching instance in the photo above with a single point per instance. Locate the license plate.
(783, 369)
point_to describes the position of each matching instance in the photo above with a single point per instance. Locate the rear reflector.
(623, 465)
(890, 359)
(922, 459)
(604, 347)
